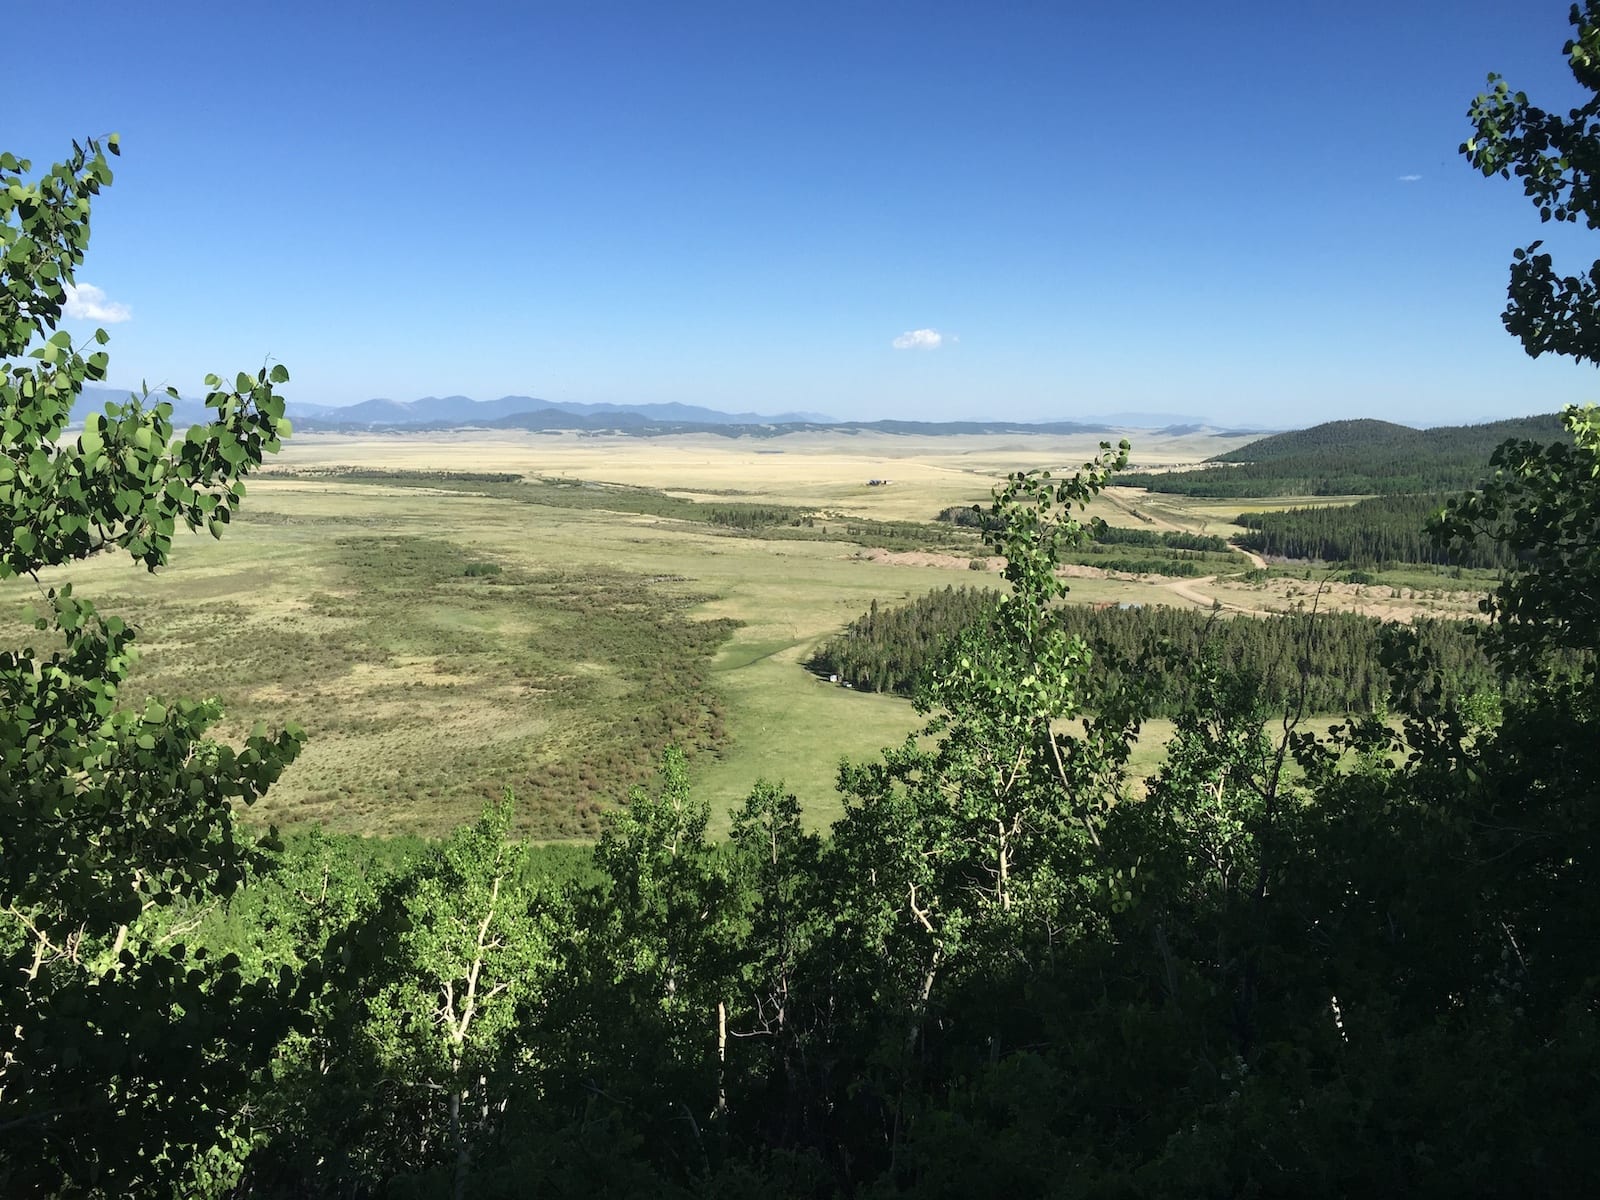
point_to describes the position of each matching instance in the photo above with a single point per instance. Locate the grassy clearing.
(426, 690)
(789, 726)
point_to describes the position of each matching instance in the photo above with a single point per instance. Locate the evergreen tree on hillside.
(1377, 533)
(1352, 458)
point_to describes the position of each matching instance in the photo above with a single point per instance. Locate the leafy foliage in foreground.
(124, 1057)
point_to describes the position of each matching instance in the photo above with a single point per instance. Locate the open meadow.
(445, 630)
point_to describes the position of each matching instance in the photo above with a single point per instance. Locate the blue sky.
(1252, 211)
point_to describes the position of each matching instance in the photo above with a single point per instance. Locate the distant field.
(925, 474)
(581, 640)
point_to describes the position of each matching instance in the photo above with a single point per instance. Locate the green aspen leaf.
(140, 821)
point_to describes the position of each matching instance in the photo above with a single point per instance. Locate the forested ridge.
(1374, 533)
(1300, 965)
(1352, 458)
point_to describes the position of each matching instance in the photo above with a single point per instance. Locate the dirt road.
(1123, 499)
(1188, 589)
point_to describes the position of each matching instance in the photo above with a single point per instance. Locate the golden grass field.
(343, 606)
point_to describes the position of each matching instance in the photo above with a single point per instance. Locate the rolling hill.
(1350, 458)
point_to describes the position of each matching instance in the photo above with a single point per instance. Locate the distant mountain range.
(463, 410)
(1152, 420)
(646, 420)
(443, 412)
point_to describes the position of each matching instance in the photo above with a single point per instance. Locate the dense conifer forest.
(1334, 660)
(1372, 534)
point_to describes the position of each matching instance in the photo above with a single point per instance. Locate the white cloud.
(85, 302)
(921, 339)
(1409, 178)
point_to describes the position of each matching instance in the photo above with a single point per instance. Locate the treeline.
(1379, 532)
(1170, 539)
(1183, 563)
(1352, 458)
(776, 522)
(416, 477)
(972, 516)
(967, 516)
(751, 517)
(892, 650)
(901, 535)
(889, 649)
(1173, 552)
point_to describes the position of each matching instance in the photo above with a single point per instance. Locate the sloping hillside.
(1331, 437)
(1346, 458)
